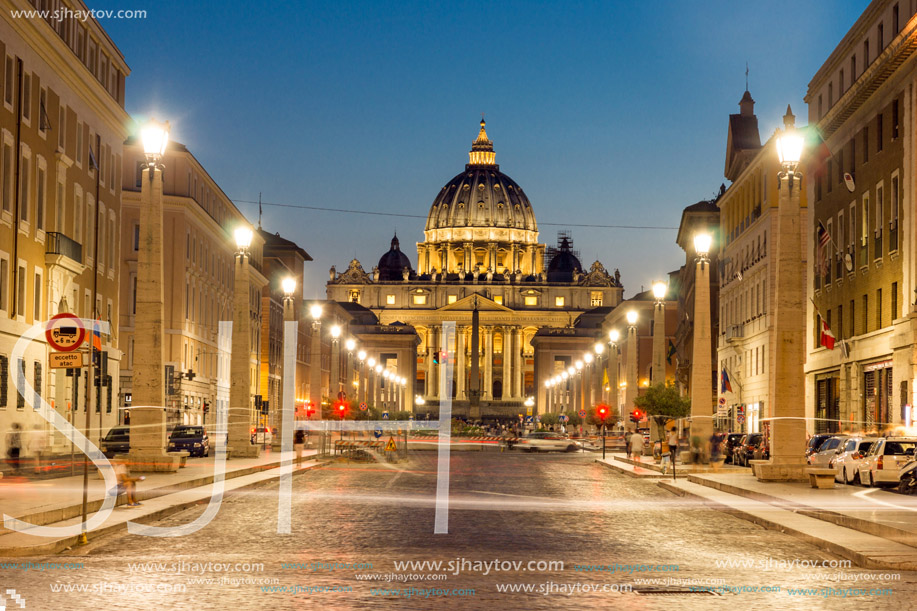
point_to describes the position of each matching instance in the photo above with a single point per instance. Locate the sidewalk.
(874, 528)
(647, 467)
(58, 502)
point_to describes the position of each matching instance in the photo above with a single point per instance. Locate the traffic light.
(636, 415)
(340, 408)
(602, 411)
(436, 357)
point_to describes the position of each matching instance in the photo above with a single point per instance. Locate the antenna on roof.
(259, 209)
(746, 75)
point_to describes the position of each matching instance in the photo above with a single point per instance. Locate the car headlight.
(197, 445)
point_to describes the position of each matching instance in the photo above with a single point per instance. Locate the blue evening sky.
(604, 112)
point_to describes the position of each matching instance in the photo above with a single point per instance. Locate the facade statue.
(375, 273)
(332, 273)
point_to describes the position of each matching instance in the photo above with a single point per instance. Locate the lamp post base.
(152, 461)
(776, 470)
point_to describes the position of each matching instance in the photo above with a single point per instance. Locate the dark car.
(117, 441)
(732, 440)
(815, 441)
(745, 449)
(190, 438)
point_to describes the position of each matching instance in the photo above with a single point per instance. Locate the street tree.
(663, 402)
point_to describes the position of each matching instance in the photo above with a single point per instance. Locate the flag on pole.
(96, 334)
(671, 353)
(725, 386)
(605, 377)
(824, 238)
(92, 160)
(827, 337)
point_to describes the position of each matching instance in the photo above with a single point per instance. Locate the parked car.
(884, 460)
(547, 441)
(848, 458)
(815, 442)
(117, 441)
(732, 439)
(908, 483)
(188, 438)
(745, 449)
(826, 451)
(262, 436)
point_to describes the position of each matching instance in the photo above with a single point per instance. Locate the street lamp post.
(377, 382)
(315, 360)
(597, 377)
(614, 392)
(701, 358)
(630, 391)
(361, 383)
(240, 416)
(588, 380)
(148, 420)
(659, 292)
(787, 441)
(351, 345)
(288, 285)
(334, 384)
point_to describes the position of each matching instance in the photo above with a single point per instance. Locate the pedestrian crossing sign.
(390, 446)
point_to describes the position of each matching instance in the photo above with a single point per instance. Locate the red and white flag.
(827, 338)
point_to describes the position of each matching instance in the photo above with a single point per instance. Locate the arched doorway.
(498, 389)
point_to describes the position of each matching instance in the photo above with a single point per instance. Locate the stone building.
(862, 102)
(480, 251)
(62, 125)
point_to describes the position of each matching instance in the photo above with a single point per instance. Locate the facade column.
(613, 381)
(315, 369)
(469, 257)
(507, 363)
(361, 381)
(702, 358)
(658, 375)
(518, 364)
(488, 363)
(630, 391)
(428, 364)
(421, 250)
(459, 372)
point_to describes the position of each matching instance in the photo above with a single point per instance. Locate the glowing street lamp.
(155, 138)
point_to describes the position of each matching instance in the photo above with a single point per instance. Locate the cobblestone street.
(356, 520)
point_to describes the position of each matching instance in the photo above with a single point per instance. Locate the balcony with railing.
(63, 251)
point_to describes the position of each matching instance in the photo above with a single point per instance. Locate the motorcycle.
(908, 482)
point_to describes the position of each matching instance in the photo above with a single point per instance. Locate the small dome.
(392, 264)
(563, 263)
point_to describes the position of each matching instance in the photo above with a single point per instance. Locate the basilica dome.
(393, 263)
(480, 197)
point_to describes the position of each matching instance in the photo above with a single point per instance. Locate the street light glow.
(632, 317)
(288, 285)
(571, 370)
(371, 362)
(614, 335)
(566, 374)
(599, 348)
(659, 290)
(789, 149)
(315, 310)
(587, 357)
(243, 237)
(702, 243)
(378, 369)
(155, 137)
(350, 344)
(361, 354)
(336, 331)
(579, 365)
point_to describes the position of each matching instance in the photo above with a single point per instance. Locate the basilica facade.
(482, 268)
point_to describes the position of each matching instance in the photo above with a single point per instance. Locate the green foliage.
(548, 420)
(574, 419)
(663, 402)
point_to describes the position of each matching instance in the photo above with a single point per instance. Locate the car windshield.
(864, 447)
(187, 433)
(899, 448)
(118, 434)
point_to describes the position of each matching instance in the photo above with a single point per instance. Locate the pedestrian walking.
(627, 437)
(716, 451)
(636, 446)
(127, 482)
(299, 441)
(14, 447)
(672, 440)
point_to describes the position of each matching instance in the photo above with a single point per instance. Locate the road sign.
(66, 360)
(363, 407)
(390, 446)
(529, 420)
(740, 418)
(582, 413)
(722, 400)
(342, 395)
(385, 415)
(563, 417)
(377, 432)
(65, 332)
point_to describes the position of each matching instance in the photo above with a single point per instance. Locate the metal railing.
(59, 244)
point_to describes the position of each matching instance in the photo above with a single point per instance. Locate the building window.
(866, 144)
(879, 133)
(26, 97)
(531, 300)
(40, 190)
(881, 36)
(894, 301)
(4, 379)
(20, 376)
(8, 81)
(7, 178)
(36, 385)
(390, 300)
(878, 308)
(895, 28)
(24, 181)
(354, 296)
(865, 54)
(20, 291)
(136, 237)
(4, 284)
(853, 319)
(559, 302)
(498, 299)
(894, 119)
(596, 298)
(420, 300)
(452, 298)
(865, 315)
(62, 128)
(864, 230)
(36, 306)
(893, 217)
(79, 143)
(880, 193)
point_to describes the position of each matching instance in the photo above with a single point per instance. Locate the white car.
(545, 441)
(884, 460)
(849, 456)
(826, 451)
(262, 436)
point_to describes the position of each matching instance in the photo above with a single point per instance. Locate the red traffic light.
(602, 411)
(636, 415)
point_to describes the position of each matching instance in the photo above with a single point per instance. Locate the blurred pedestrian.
(636, 446)
(14, 447)
(128, 482)
(627, 437)
(672, 440)
(299, 441)
(38, 445)
(716, 451)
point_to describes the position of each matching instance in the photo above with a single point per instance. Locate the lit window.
(420, 300)
(498, 299)
(390, 300)
(452, 298)
(531, 300)
(559, 302)
(596, 299)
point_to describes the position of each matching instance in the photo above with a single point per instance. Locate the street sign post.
(363, 407)
(390, 446)
(385, 415)
(582, 413)
(65, 332)
(377, 432)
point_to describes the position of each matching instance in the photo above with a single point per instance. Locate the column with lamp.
(240, 395)
(589, 380)
(148, 422)
(630, 381)
(371, 381)
(613, 391)
(547, 388)
(377, 390)
(334, 383)
(562, 391)
(660, 289)
(598, 378)
(701, 356)
(288, 285)
(315, 361)
(350, 344)
(361, 377)
(787, 430)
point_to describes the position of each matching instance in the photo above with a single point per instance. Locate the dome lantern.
(482, 149)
